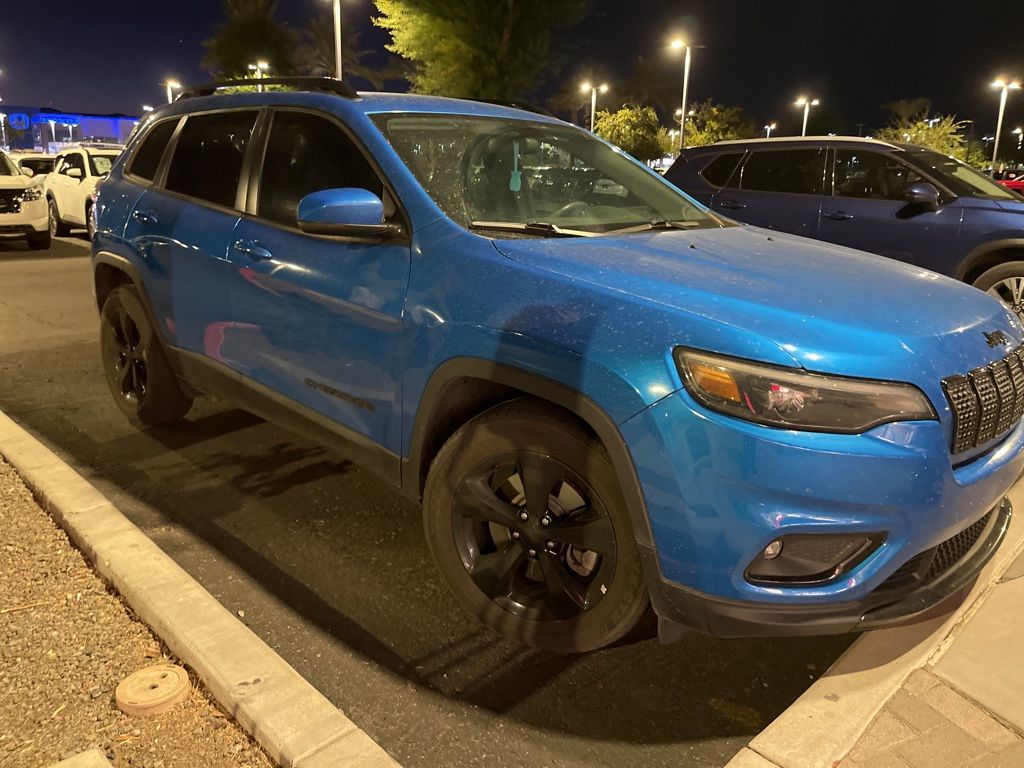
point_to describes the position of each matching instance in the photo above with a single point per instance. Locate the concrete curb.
(822, 726)
(291, 720)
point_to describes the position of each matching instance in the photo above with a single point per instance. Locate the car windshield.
(959, 177)
(39, 165)
(7, 168)
(101, 164)
(534, 178)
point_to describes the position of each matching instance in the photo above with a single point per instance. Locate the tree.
(653, 85)
(636, 130)
(713, 122)
(943, 134)
(909, 109)
(317, 55)
(484, 49)
(249, 34)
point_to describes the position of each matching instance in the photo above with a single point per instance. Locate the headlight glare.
(30, 194)
(794, 399)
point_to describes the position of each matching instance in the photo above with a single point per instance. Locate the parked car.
(22, 206)
(1014, 182)
(70, 187)
(40, 163)
(898, 200)
(603, 401)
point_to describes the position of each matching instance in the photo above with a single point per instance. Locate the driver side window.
(305, 154)
(871, 175)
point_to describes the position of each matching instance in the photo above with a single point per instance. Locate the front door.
(318, 320)
(868, 210)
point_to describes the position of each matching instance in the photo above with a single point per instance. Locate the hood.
(832, 309)
(21, 181)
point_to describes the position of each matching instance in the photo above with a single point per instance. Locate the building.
(50, 130)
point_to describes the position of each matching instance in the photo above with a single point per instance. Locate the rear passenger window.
(790, 170)
(720, 170)
(147, 159)
(208, 157)
(305, 154)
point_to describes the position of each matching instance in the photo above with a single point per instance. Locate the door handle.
(837, 215)
(253, 250)
(146, 217)
(733, 205)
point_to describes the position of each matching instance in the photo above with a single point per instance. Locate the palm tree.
(250, 33)
(317, 55)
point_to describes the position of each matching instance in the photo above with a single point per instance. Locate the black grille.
(10, 201)
(986, 402)
(952, 550)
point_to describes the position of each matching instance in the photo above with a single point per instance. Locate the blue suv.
(898, 200)
(607, 397)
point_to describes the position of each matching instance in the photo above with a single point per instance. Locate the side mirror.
(347, 212)
(923, 194)
(74, 173)
(26, 171)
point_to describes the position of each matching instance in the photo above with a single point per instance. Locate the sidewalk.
(965, 707)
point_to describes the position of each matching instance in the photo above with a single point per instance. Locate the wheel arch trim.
(968, 263)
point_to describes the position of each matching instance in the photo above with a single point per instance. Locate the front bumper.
(718, 490)
(32, 217)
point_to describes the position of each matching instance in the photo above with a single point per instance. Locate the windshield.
(101, 164)
(488, 171)
(39, 165)
(959, 177)
(7, 167)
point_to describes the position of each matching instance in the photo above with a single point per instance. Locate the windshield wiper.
(531, 228)
(656, 224)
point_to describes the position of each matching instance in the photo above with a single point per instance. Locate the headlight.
(32, 193)
(793, 399)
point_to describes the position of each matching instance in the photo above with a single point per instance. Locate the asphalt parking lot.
(328, 565)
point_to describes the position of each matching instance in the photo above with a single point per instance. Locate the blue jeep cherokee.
(605, 396)
(898, 200)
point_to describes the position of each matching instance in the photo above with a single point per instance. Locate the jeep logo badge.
(996, 338)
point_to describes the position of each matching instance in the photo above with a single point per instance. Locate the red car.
(1016, 183)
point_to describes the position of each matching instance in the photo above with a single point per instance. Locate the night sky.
(759, 54)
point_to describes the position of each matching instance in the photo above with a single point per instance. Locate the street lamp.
(259, 70)
(3, 130)
(768, 130)
(1004, 88)
(603, 88)
(146, 108)
(677, 45)
(806, 103)
(172, 86)
(1019, 133)
(337, 39)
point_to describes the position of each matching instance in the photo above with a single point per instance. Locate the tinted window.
(719, 170)
(789, 170)
(147, 159)
(306, 154)
(73, 160)
(38, 164)
(960, 178)
(872, 175)
(207, 162)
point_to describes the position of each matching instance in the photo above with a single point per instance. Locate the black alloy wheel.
(130, 356)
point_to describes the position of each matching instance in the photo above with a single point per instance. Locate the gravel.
(66, 641)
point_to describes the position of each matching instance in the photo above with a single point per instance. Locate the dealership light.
(172, 86)
(594, 89)
(1004, 86)
(806, 103)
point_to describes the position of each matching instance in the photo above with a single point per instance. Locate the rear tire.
(57, 227)
(90, 225)
(135, 364)
(39, 241)
(568, 578)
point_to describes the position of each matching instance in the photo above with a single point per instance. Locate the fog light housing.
(802, 559)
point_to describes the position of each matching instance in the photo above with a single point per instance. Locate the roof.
(808, 140)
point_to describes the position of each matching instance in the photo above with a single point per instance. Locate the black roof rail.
(325, 84)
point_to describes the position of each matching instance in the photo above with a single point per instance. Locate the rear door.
(318, 319)
(868, 210)
(182, 225)
(778, 189)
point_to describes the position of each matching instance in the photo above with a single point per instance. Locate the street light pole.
(3, 130)
(1005, 88)
(337, 39)
(259, 70)
(768, 130)
(687, 58)
(603, 88)
(172, 86)
(806, 103)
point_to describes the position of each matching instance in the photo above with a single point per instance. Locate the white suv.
(22, 206)
(69, 189)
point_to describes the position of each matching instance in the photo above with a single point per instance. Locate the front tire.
(134, 363)
(57, 227)
(39, 241)
(1006, 283)
(90, 224)
(527, 525)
